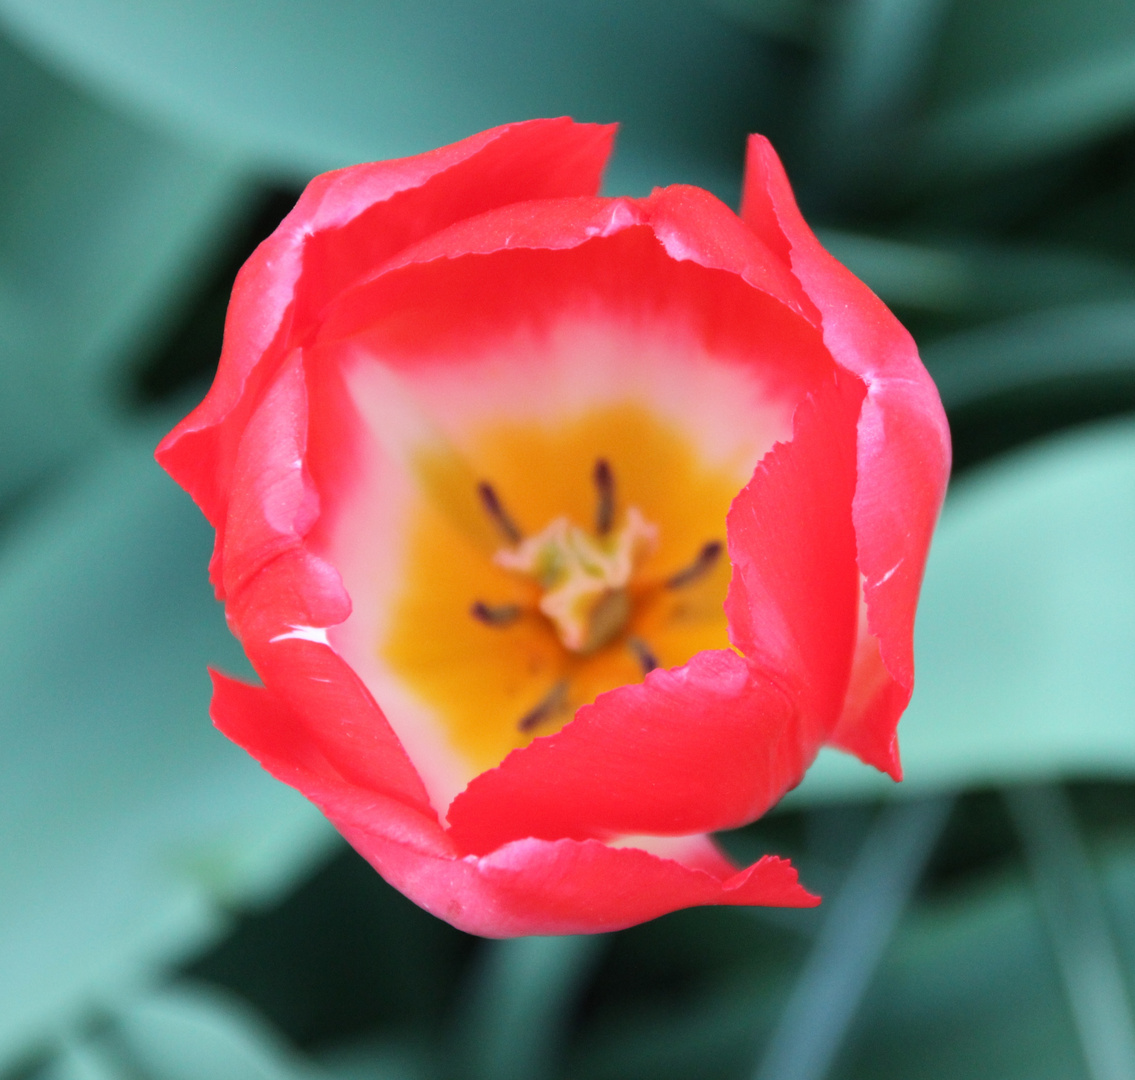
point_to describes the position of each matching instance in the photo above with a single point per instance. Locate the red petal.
(526, 887)
(710, 745)
(872, 693)
(278, 618)
(904, 448)
(693, 224)
(566, 886)
(257, 720)
(345, 224)
(793, 598)
(448, 312)
(274, 502)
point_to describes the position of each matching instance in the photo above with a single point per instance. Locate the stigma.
(583, 576)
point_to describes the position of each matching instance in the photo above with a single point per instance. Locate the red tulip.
(562, 530)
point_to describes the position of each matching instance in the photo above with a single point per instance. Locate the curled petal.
(277, 618)
(689, 223)
(274, 502)
(706, 746)
(277, 736)
(567, 886)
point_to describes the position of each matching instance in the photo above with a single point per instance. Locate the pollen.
(580, 557)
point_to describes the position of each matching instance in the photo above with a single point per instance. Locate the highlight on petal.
(561, 530)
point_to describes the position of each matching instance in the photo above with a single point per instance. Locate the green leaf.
(1018, 79)
(128, 821)
(293, 87)
(976, 279)
(519, 1004)
(104, 223)
(968, 987)
(190, 1033)
(1077, 340)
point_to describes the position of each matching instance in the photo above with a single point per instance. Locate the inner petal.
(531, 412)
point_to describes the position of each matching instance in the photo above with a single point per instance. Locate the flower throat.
(585, 580)
(573, 557)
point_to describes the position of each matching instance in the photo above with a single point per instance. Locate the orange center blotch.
(495, 683)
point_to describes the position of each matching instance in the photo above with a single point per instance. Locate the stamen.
(495, 509)
(605, 486)
(706, 558)
(551, 703)
(646, 659)
(496, 614)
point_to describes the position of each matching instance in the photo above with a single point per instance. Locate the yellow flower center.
(582, 556)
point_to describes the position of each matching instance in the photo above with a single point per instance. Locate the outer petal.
(274, 502)
(279, 619)
(567, 886)
(689, 223)
(258, 720)
(903, 456)
(525, 887)
(282, 596)
(345, 224)
(710, 745)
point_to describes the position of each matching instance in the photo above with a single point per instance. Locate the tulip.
(562, 531)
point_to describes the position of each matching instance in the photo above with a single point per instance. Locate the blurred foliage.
(168, 912)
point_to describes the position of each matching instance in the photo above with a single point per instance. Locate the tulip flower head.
(562, 531)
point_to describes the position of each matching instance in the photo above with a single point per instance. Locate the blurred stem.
(1074, 912)
(851, 941)
(521, 1002)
